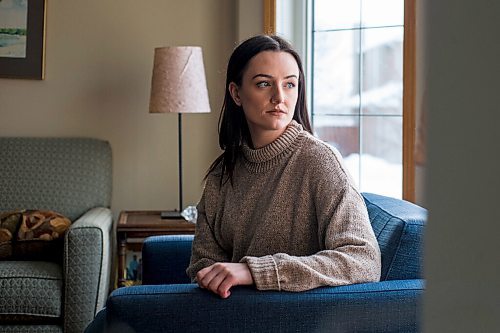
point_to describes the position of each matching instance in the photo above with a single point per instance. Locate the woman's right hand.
(221, 276)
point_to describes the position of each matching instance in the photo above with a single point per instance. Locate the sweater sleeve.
(205, 249)
(349, 251)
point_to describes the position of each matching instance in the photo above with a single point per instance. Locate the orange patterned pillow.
(9, 222)
(38, 234)
(42, 225)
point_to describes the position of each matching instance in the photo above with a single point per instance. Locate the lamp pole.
(180, 160)
(176, 214)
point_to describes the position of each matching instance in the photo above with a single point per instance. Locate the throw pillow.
(9, 222)
(42, 225)
(40, 235)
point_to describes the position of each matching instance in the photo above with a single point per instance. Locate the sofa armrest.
(87, 267)
(165, 259)
(389, 306)
(399, 227)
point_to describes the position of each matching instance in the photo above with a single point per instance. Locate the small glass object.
(190, 214)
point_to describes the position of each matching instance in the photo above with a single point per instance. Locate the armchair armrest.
(87, 267)
(389, 306)
(165, 259)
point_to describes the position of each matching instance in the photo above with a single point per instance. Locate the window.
(359, 61)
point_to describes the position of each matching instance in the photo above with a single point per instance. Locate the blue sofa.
(167, 302)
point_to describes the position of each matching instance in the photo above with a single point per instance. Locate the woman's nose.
(278, 96)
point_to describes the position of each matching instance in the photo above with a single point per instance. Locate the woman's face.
(268, 94)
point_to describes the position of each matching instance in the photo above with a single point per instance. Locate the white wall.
(99, 57)
(462, 255)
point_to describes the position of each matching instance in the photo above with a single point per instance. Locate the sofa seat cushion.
(30, 290)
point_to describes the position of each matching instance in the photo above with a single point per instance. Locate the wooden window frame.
(409, 85)
(269, 17)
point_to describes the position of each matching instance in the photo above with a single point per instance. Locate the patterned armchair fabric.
(71, 176)
(67, 175)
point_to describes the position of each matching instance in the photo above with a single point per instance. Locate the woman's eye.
(263, 84)
(290, 85)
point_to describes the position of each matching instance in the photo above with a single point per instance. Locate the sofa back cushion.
(399, 228)
(165, 259)
(66, 175)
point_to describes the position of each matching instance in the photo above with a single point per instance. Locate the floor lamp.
(178, 86)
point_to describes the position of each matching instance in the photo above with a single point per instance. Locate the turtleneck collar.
(264, 158)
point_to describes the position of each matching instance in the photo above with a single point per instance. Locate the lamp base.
(171, 215)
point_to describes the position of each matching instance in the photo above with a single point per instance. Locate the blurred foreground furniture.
(169, 303)
(72, 176)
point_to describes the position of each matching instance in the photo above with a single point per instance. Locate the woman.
(278, 209)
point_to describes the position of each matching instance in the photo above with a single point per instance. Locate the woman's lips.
(276, 112)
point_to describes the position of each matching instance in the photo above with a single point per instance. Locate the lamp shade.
(178, 84)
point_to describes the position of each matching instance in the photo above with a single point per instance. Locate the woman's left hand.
(221, 276)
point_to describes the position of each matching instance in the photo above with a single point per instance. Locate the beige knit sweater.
(292, 214)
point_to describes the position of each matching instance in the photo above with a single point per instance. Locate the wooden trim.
(44, 42)
(409, 84)
(269, 17)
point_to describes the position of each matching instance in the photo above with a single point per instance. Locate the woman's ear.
(234, 91)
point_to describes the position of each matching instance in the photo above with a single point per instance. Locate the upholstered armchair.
(72, 176)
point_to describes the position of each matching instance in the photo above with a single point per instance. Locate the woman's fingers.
(204, 276)
(225, 285)
(212, 276)
(216, 281)
(221, 277)
(221, 280)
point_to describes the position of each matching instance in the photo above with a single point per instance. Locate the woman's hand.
(221, 276)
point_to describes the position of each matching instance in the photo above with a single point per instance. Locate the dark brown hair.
(233, 127)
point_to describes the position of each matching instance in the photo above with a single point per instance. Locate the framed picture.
(22, 39)
(133, 268)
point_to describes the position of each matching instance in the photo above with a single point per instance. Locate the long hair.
(233, 127)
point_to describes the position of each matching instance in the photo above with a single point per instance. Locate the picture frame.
(133, 268)
(22, 39)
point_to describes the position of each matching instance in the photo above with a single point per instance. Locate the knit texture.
(292, 214)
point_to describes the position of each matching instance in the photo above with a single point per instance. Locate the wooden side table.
(134, 226)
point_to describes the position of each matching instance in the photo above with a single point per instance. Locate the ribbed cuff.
(264, 272)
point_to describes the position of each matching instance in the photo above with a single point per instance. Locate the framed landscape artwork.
(22, 39)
